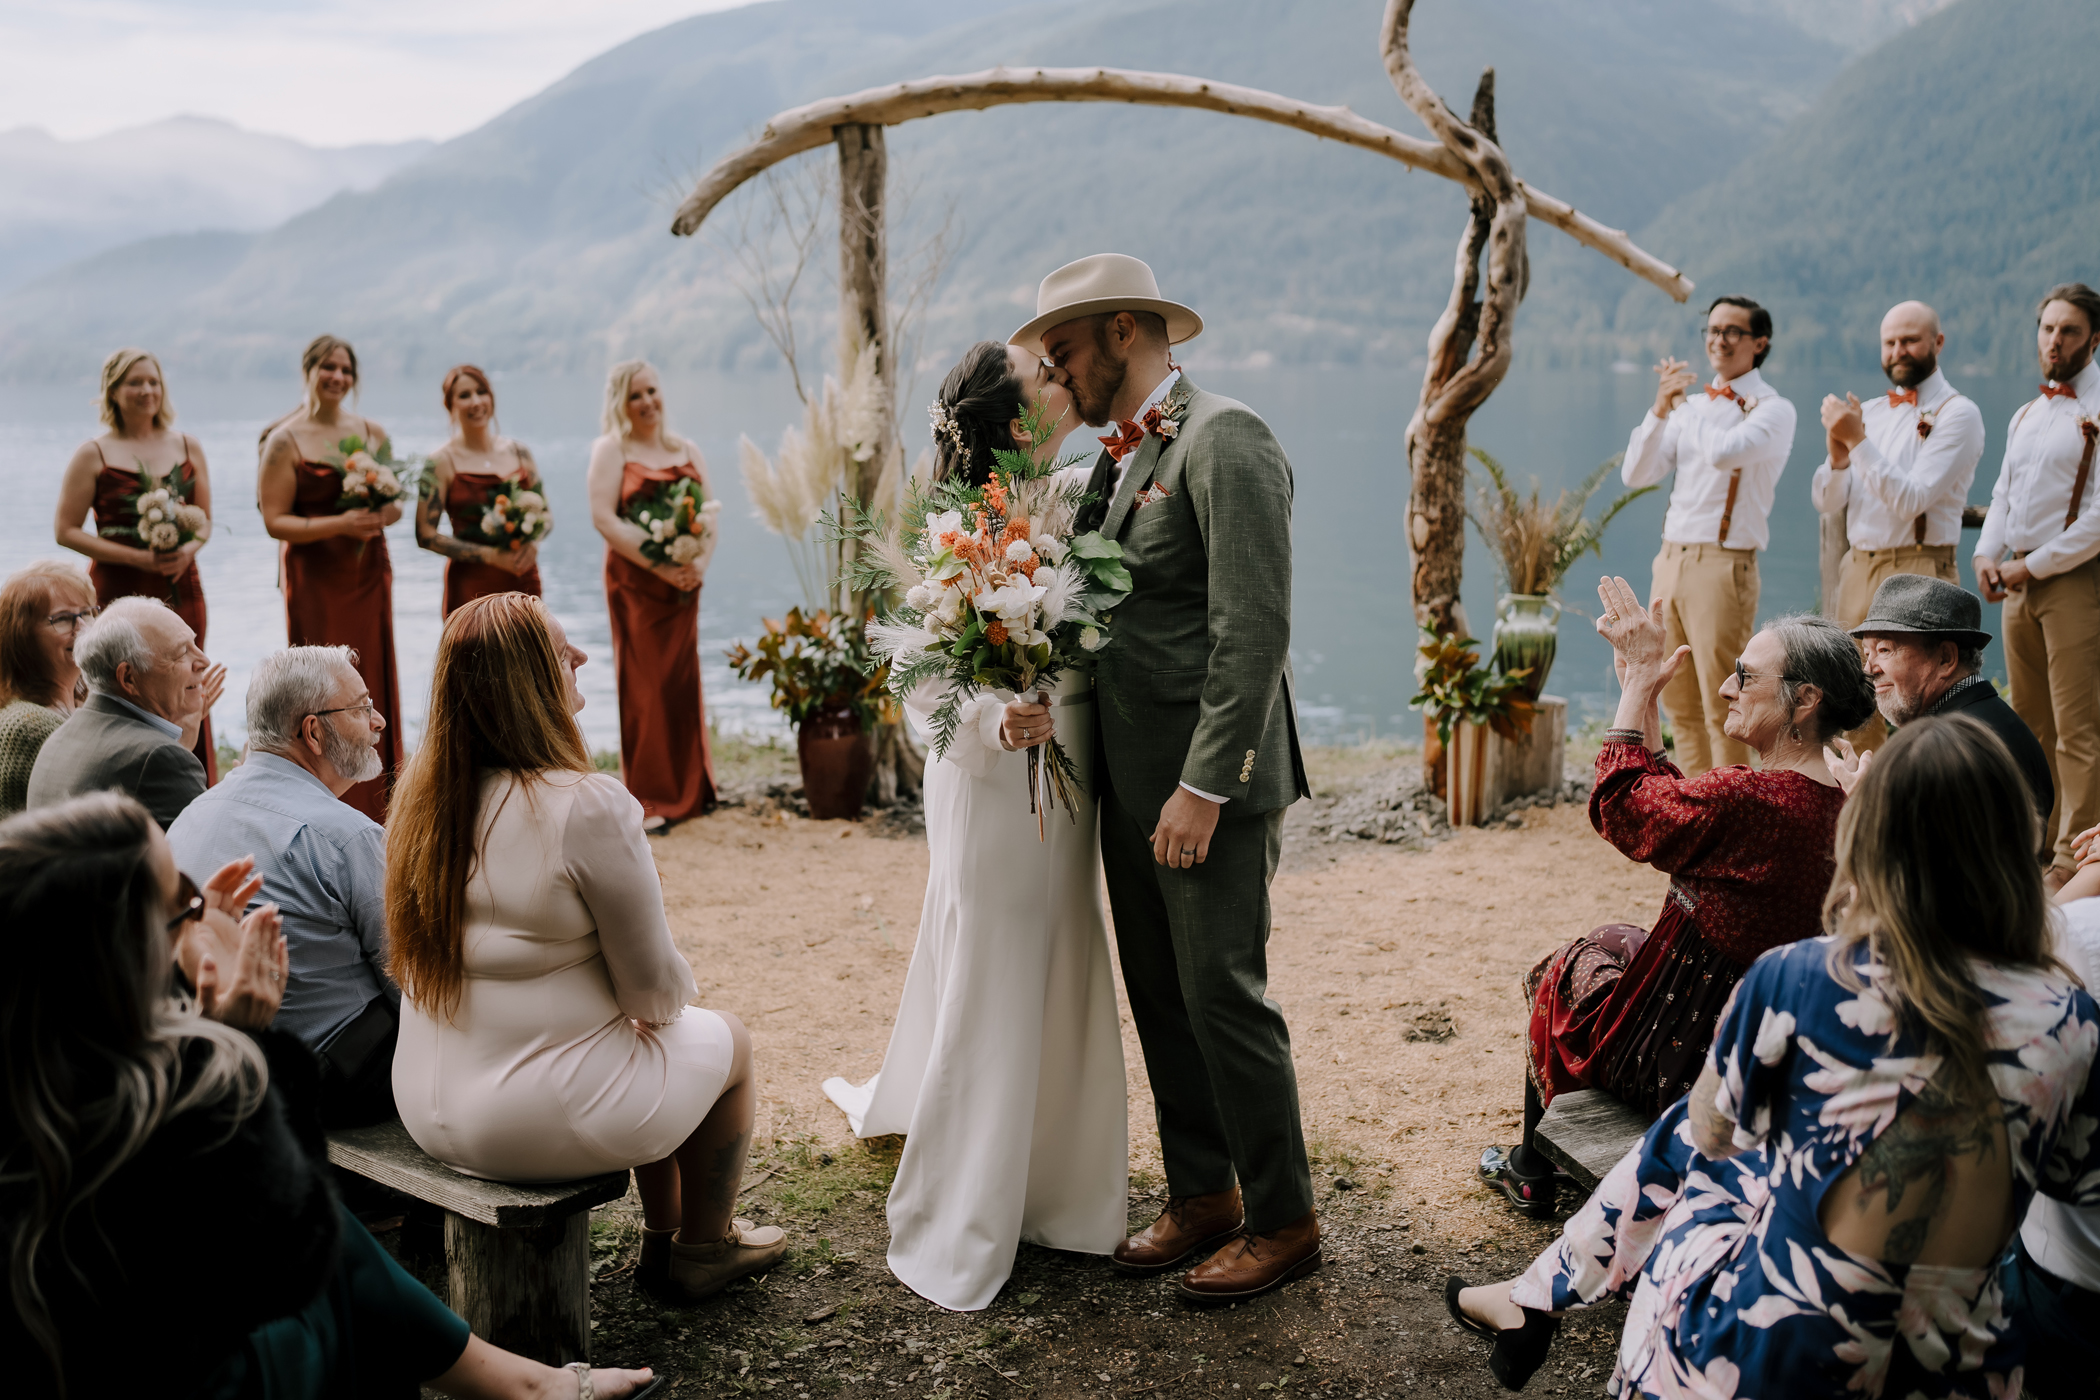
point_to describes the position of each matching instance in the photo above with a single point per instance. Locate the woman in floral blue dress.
(1825, 1212)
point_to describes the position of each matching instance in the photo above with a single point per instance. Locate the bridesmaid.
(338, 578)
(465, 473)
(104, 475)
(664, 758)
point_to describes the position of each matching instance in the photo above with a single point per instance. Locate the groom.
(1199, 758)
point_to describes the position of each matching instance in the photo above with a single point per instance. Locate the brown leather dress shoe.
(1189, 1226)
(1256, 1264)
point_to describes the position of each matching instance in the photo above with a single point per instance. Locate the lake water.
(1353, 636)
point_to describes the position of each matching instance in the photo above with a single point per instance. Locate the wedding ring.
(1611, 617)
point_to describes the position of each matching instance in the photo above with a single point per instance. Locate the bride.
(1005, 1068)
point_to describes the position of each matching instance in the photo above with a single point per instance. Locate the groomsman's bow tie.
(1724, 392)
(2059, 391)
(1120, 443)
(1899, 397)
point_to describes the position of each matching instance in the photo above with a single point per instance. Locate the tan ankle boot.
(653, 1270)
(696, 1270)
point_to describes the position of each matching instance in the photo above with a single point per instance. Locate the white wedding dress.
(1005, 1068)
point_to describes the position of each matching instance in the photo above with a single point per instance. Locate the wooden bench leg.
(527, 1291)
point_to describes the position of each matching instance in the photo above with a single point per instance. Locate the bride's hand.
(1026, 724)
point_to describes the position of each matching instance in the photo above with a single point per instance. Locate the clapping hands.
(1847, 766)
(1674, 379)
(237, 964)
(1638, 642)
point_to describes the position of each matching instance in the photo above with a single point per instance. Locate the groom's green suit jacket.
(1195, 684)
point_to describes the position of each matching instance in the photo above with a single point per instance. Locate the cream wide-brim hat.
(1103, 282)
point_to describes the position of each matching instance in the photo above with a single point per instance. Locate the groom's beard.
(1096, 391)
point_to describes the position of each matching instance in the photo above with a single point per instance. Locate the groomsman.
(1899, 472)
(1728, 443)
(2043, 517)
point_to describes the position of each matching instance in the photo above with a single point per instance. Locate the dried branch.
(809, 127)
(791, 204)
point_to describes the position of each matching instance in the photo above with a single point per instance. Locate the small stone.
(1343, 1183)
(1299, 1359)
(823, 1159)
(1418, 1248)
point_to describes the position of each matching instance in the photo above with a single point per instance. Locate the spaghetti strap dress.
(184, 593)
(664, 757)
(466, 499)
(340, 592)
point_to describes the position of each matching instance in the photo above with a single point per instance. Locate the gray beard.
(354, 759)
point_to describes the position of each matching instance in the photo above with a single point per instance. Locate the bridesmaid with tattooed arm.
(474, 470)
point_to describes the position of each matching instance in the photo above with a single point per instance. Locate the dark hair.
(1760, 322)
(1151, 325)
(1822, 654)
(982, 397)
(2077, 294)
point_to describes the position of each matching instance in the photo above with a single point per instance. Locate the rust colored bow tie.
(1899, 397)
(2058, 391)
(1724, 392)
(1120, 443)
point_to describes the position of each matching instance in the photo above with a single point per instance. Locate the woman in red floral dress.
(466, 474)
(107, 474)
(338, 578)
(1749, 851)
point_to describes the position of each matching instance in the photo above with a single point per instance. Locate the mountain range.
(1743, 141)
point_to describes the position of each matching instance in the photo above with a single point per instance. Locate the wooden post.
(527, 1291)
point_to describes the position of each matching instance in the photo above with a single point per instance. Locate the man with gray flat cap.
(1199, 758)
(1923, 643)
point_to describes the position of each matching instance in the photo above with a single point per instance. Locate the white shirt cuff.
(1207, 796)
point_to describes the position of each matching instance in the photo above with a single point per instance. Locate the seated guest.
(162, 1196)
(544, 1028)
(146, 681)
(1749, 856)
(41, 610)
(313, 732)
(1923, 643)
(1825, 1213)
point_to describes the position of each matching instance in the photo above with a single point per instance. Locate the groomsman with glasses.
(1727, 443)
(1898, 471)
(2040, 554)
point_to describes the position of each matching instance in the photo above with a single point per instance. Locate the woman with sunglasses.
(1749, 852)
(41, 609)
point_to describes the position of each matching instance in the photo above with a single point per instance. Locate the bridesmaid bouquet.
(165, 517)
(515, 519)
(998, 593)
(369, 479)
(677, 517)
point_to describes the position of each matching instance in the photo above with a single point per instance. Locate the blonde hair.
(317, 350)
(119, 364)
(617, 382)
(1936, 868)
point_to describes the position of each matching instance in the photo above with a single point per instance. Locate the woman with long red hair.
(544, 1028)
(338, 577)
(655, 607)
(478, 468)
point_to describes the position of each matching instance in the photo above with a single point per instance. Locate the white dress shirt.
(2033, 493)
(1705, 440)
(1115, 470)
(1896, 476)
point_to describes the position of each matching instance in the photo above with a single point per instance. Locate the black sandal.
(1534, 1195)
(1519, 1352)
(1452, 1287)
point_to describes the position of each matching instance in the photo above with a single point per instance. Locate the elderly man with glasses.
(1728, 443)
(313, 732)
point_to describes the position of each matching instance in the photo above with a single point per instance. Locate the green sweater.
(23, 728)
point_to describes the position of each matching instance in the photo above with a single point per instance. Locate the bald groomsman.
(2040, 553)
(1899, 470)
(1728, 444)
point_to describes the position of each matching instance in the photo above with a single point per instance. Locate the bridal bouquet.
(369, 479)
(998, 593)
(166, 518)
(515, 518)
(677, 517)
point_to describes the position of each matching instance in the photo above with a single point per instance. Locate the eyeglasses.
(70, 621)
(189, 903)
(364, 707)
(1727, 335)
(1743, 677)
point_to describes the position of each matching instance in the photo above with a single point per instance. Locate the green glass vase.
(1526, 635)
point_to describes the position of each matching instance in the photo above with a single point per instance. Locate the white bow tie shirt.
(2033, 494)
(1706, 440)
(1896, 476)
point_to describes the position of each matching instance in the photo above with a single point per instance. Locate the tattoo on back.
(1914, 1157)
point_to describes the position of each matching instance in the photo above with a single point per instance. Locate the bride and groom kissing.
(1004, 1070)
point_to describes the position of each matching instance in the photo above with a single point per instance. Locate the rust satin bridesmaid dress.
(465, 501)
(664, 758)
(340, 592)
(183, 593)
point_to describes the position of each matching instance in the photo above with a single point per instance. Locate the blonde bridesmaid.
(466, 474)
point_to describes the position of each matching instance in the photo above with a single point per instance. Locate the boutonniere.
(1152, 493)
(1163, 420)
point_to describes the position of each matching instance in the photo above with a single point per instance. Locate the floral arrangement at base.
(678, 518)
(818, 665)
(997, 592)
(1456, 687)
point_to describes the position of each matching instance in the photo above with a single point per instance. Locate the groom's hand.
(1182, 838)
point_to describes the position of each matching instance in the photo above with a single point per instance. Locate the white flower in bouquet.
(1090, 639)
(949, 612)
(532, 525)
(685, 549)
(386, 481)
(193, 520)
(531, 502)
(492, 524)
(1063, 587)
(1012, 603)
(923, 596)
(164, 536)
(1019, 551)
(943, 522)
(153, 516)
(1048, 549)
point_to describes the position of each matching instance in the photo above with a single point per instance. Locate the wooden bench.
(517, 1258)
(1587, 1131)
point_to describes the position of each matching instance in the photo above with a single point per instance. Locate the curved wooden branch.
(809, 127)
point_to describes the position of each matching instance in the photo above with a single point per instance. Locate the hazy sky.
(331, 72)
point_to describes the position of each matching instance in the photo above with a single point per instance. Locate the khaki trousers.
(2052, 650)
(1709, 598)
(1859, 574)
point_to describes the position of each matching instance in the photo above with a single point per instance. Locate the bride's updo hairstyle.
(981, 397)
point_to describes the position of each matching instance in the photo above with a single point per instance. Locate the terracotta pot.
(836, 764)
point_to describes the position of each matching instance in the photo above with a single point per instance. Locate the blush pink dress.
(572, 1051)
